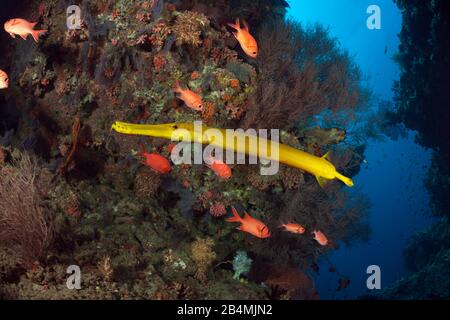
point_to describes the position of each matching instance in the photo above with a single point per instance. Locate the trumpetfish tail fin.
(323, 181)
(348, 182)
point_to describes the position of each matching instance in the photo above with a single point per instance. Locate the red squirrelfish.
(22, 28)
(4, 80)
(190, 98)
(221, 169)
(293, 228)
(245, 39)
(320, 238)
(156, 162)
(250, 225)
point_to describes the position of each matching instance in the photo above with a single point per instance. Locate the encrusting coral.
(146, 183)
(188, 28)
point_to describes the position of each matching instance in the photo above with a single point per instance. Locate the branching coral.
(106, 269)
(24, 221)
(160, 32)
(203, 255)
(188, 28)
(146, 183)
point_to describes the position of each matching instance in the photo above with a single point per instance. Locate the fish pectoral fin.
(322, 181)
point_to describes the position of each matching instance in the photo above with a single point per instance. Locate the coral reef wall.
(138, 233)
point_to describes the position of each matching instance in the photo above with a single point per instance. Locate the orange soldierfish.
(250, 225)
(221, 169)
(245, 39)
(320, 238)
(22, 28)
(4, 80)
(156, 162)
(190, 98)
(293, 228)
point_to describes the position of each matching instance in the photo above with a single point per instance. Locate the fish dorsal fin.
(247, 216)
(327, 155)
(238, 24)
(322, 181)
(246, 27)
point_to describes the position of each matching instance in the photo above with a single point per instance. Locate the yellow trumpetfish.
(240, 142)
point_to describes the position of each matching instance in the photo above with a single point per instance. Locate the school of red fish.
(158, 163)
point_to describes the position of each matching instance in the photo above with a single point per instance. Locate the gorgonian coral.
(24, 221)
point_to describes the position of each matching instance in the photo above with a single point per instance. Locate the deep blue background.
(393, 176)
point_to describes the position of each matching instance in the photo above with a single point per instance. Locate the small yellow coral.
(106, 269)
(203, 255)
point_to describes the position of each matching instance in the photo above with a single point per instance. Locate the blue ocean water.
(393, 177)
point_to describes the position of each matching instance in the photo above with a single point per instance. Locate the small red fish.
(156, 162)
(250, 225)
(221, 169)
(190, 98)
(245, 39)
(22, 28)
(320, 237)
(4, 80)
(293, 228)
(343, 284)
